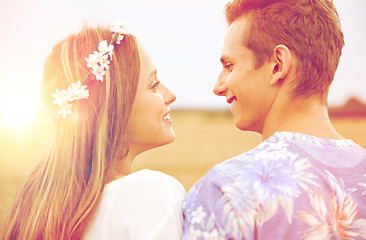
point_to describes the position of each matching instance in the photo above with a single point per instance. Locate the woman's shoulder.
(154, 186)
(145, 179)
(133, 205)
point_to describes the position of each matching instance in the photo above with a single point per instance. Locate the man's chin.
(243, 126)
(240, 125)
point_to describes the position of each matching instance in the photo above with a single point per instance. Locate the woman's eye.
(156, 84)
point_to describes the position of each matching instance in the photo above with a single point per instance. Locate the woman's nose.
(169, 96)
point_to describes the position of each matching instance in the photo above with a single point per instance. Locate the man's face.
(247, 89)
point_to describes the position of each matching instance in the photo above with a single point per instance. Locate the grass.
(203, 140)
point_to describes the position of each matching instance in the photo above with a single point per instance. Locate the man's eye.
(228, 66)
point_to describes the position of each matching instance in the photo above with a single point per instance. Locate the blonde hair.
(58, 197)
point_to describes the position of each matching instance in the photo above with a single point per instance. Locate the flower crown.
(98, 62)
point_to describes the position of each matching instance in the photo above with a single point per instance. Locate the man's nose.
(220, 87)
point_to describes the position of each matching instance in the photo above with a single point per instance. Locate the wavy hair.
(56, 200)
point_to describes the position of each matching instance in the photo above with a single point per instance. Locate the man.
(304, 181)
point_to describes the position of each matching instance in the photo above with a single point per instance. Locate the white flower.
(98, 61)
(99, 73)
(61, 97)
(76, 91)
(65, 110)
(214, 235)
(83, 94)
(198, 215)
(99, 58)
(104, 47)
(118, 28)
(119, 38)
(93, 60)
(74, 88)
(194, 234)
(110, 53)
(105, 62)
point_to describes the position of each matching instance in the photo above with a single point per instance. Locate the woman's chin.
(161, 141)
(170, 137)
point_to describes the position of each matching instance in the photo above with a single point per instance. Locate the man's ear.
(281, 58)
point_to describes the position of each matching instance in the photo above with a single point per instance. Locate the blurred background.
(184, 39)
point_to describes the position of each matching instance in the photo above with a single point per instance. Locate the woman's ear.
(281, 58)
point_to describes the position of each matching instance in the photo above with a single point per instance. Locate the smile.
(231, 100)
(166, 117)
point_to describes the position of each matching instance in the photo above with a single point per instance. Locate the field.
(203, 140)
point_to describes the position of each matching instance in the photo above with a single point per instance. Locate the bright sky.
(184, 39)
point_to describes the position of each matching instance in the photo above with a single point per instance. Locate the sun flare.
(17, 111)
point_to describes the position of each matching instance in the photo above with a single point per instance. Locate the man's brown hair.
(309, 28)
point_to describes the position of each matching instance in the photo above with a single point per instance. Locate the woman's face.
(150, 125)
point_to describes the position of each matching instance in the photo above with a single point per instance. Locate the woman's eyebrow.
(154, 72)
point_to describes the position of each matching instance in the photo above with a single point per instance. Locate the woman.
(111, 108)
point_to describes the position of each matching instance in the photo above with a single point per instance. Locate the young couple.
(304, 181)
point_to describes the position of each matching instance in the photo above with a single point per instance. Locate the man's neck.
(299, 114)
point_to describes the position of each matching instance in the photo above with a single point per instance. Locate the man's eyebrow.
(224, 59)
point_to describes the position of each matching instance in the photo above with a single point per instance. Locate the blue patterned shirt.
(291, 186)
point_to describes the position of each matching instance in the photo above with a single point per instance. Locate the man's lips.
(231, 99)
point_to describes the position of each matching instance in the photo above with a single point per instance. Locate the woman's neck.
(121, 168)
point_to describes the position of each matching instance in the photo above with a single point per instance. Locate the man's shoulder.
(227, 170)
(278, 146)
(236, 164)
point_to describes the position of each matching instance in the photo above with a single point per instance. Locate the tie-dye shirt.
(291, 186)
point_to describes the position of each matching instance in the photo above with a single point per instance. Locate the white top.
(143, 205)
